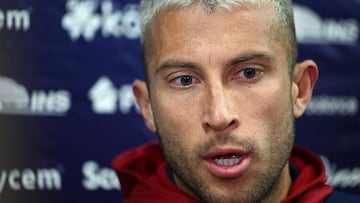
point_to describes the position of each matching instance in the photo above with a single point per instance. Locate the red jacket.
(143, 177)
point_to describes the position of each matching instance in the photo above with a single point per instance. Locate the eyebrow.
(248, 57)
(236, 60)
(176, 64)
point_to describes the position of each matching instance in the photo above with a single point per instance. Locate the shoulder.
(337, 197)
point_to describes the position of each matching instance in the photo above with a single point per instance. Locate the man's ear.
(142, 97)
(305, 76)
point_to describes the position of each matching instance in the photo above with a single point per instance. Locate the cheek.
(176, 120)
(269, 109)
(270, 102)
(280, 118)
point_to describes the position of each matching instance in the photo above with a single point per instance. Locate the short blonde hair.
(285, 18)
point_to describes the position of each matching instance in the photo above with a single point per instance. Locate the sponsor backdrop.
(66, 106)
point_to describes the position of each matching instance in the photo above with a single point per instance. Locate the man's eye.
(184, 80)
(249, 73)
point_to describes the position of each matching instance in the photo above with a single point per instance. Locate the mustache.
(230, 141)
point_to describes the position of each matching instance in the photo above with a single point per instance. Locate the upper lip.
(224, 152)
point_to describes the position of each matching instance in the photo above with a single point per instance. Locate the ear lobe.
(142, 97)
(304, 78)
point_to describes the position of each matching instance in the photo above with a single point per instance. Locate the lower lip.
(228, 171)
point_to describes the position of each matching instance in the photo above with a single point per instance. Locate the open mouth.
(227, 163)
(228, 160)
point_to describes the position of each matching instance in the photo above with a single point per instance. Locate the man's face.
(220, 94)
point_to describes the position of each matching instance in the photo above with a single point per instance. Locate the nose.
(219, 114)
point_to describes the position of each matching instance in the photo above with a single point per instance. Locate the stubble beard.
(185, 163)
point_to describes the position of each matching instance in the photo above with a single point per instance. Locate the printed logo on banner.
(18, 20)
(341, 178)
(330, 105)
(107, 99)
(324, 30)
(30, 179)
(14, 99)
(96, 178)
(84, 18)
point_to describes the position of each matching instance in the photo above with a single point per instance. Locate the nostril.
(224, 127)
(233, 124)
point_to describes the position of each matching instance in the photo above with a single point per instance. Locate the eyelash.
(242, 71)
(177, 81)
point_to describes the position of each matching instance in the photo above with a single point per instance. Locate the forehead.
(185, 30)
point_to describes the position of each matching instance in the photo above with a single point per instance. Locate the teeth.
(227, 161)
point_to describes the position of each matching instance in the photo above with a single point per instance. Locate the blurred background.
(67, 109)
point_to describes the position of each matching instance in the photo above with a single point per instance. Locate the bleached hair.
(285, 19)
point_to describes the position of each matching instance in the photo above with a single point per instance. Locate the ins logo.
(82, 19)
(324, 30)
(14, 99)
